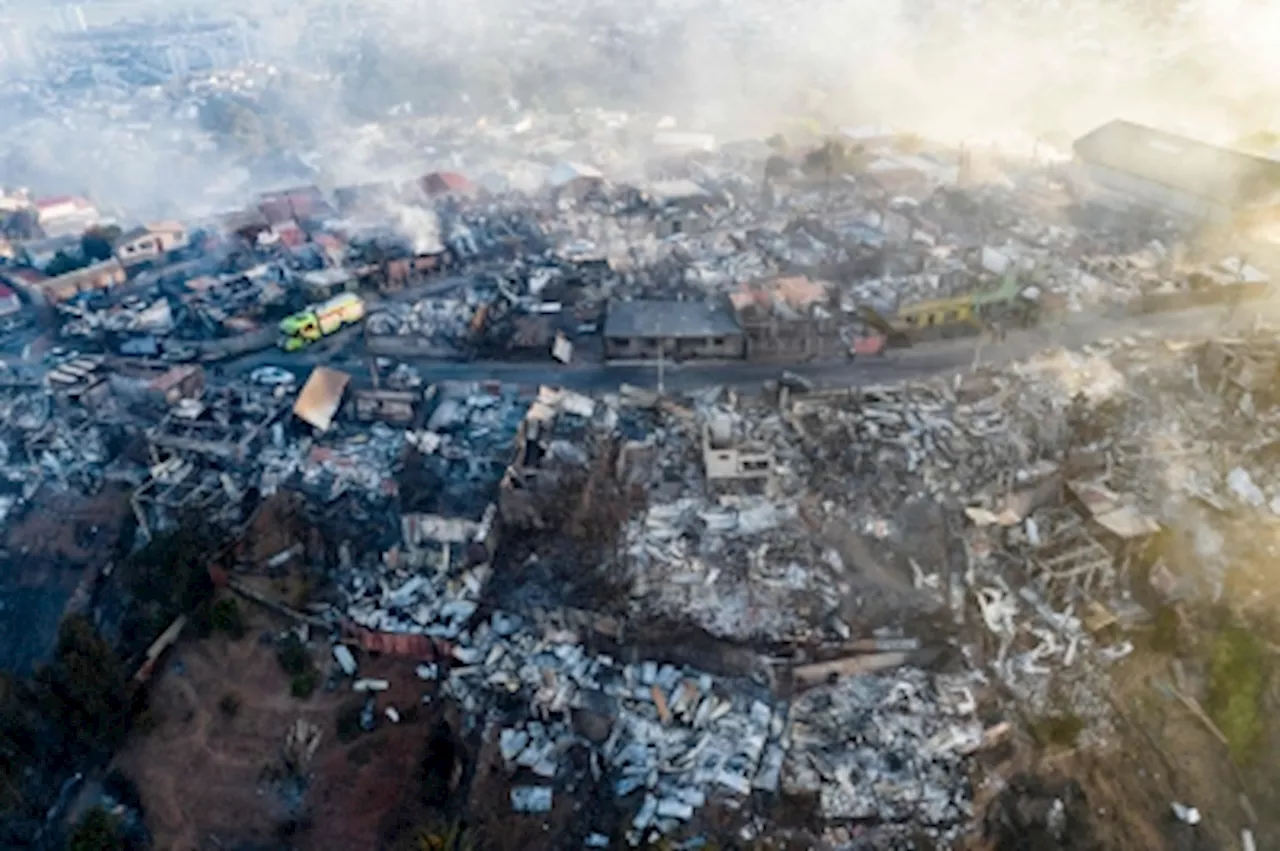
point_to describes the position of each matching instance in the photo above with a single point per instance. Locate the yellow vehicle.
(320, 320)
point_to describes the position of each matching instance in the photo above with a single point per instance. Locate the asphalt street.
(345, 352)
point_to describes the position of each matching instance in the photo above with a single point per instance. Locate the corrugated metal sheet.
(1187, 166)
(403, 644)
(321, 397)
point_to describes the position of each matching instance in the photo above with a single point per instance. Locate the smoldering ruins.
(844, 617)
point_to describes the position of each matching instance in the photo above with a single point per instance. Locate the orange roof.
(746, 295)
(800, 292)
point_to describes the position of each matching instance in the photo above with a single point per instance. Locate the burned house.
(549, 450)
(322, 284)
(671, 329)
(449, 485)
(367, 198)
(786, 319)
(679, 205)
(728, 456)
(99, 276)
(158, 384)
(224, 427)
(389, 406)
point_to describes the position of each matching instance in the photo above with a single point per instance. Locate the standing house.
(674, 329)
(143, 244)
(1172, 173)
(65, 215)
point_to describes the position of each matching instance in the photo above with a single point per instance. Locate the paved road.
(925, 359)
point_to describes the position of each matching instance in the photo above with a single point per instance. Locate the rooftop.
(1196, 168)
(653, 319)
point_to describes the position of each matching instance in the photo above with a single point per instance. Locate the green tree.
(85, 689)
(97, 830)
(62, 263)
(98, 243)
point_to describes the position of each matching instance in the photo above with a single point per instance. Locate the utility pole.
(662, 352)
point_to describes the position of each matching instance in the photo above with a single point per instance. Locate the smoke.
(420, 226)
(384, 89)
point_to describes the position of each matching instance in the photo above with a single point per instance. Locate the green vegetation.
(98, 243)
(435, 836)
(297, 663)
(76, 706)
(228, 618)
(1164, 634)
(1061, 730)
(1237, 674)
(293, 656)
(98, 830)
(166, 578)
(348, 722)
(304, 685)
(62, 263)
(85, 691)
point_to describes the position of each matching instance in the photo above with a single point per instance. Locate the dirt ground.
(205, 777)
(1118, 798)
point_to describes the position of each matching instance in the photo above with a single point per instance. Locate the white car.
(272, 376)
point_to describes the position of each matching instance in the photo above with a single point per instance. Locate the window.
(717, 341)
(951, 316)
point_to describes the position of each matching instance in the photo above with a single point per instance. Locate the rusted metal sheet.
(872, 345)
(403, 644)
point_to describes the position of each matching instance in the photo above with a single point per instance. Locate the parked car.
(272, 376)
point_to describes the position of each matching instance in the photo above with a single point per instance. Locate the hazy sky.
(959, 70)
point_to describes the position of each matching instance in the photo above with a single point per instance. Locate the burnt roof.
(1228, 177)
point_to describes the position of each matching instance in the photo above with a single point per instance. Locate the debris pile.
(886, 749)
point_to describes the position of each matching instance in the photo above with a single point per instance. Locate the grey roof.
(1222, 175)
(670, 319)
(132, 234)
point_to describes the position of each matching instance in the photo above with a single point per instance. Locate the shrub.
(85, 688)
(1236, 678)
(348, 722)
(98, 830)
(293, 656)
(303, 685)
(228, 618)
